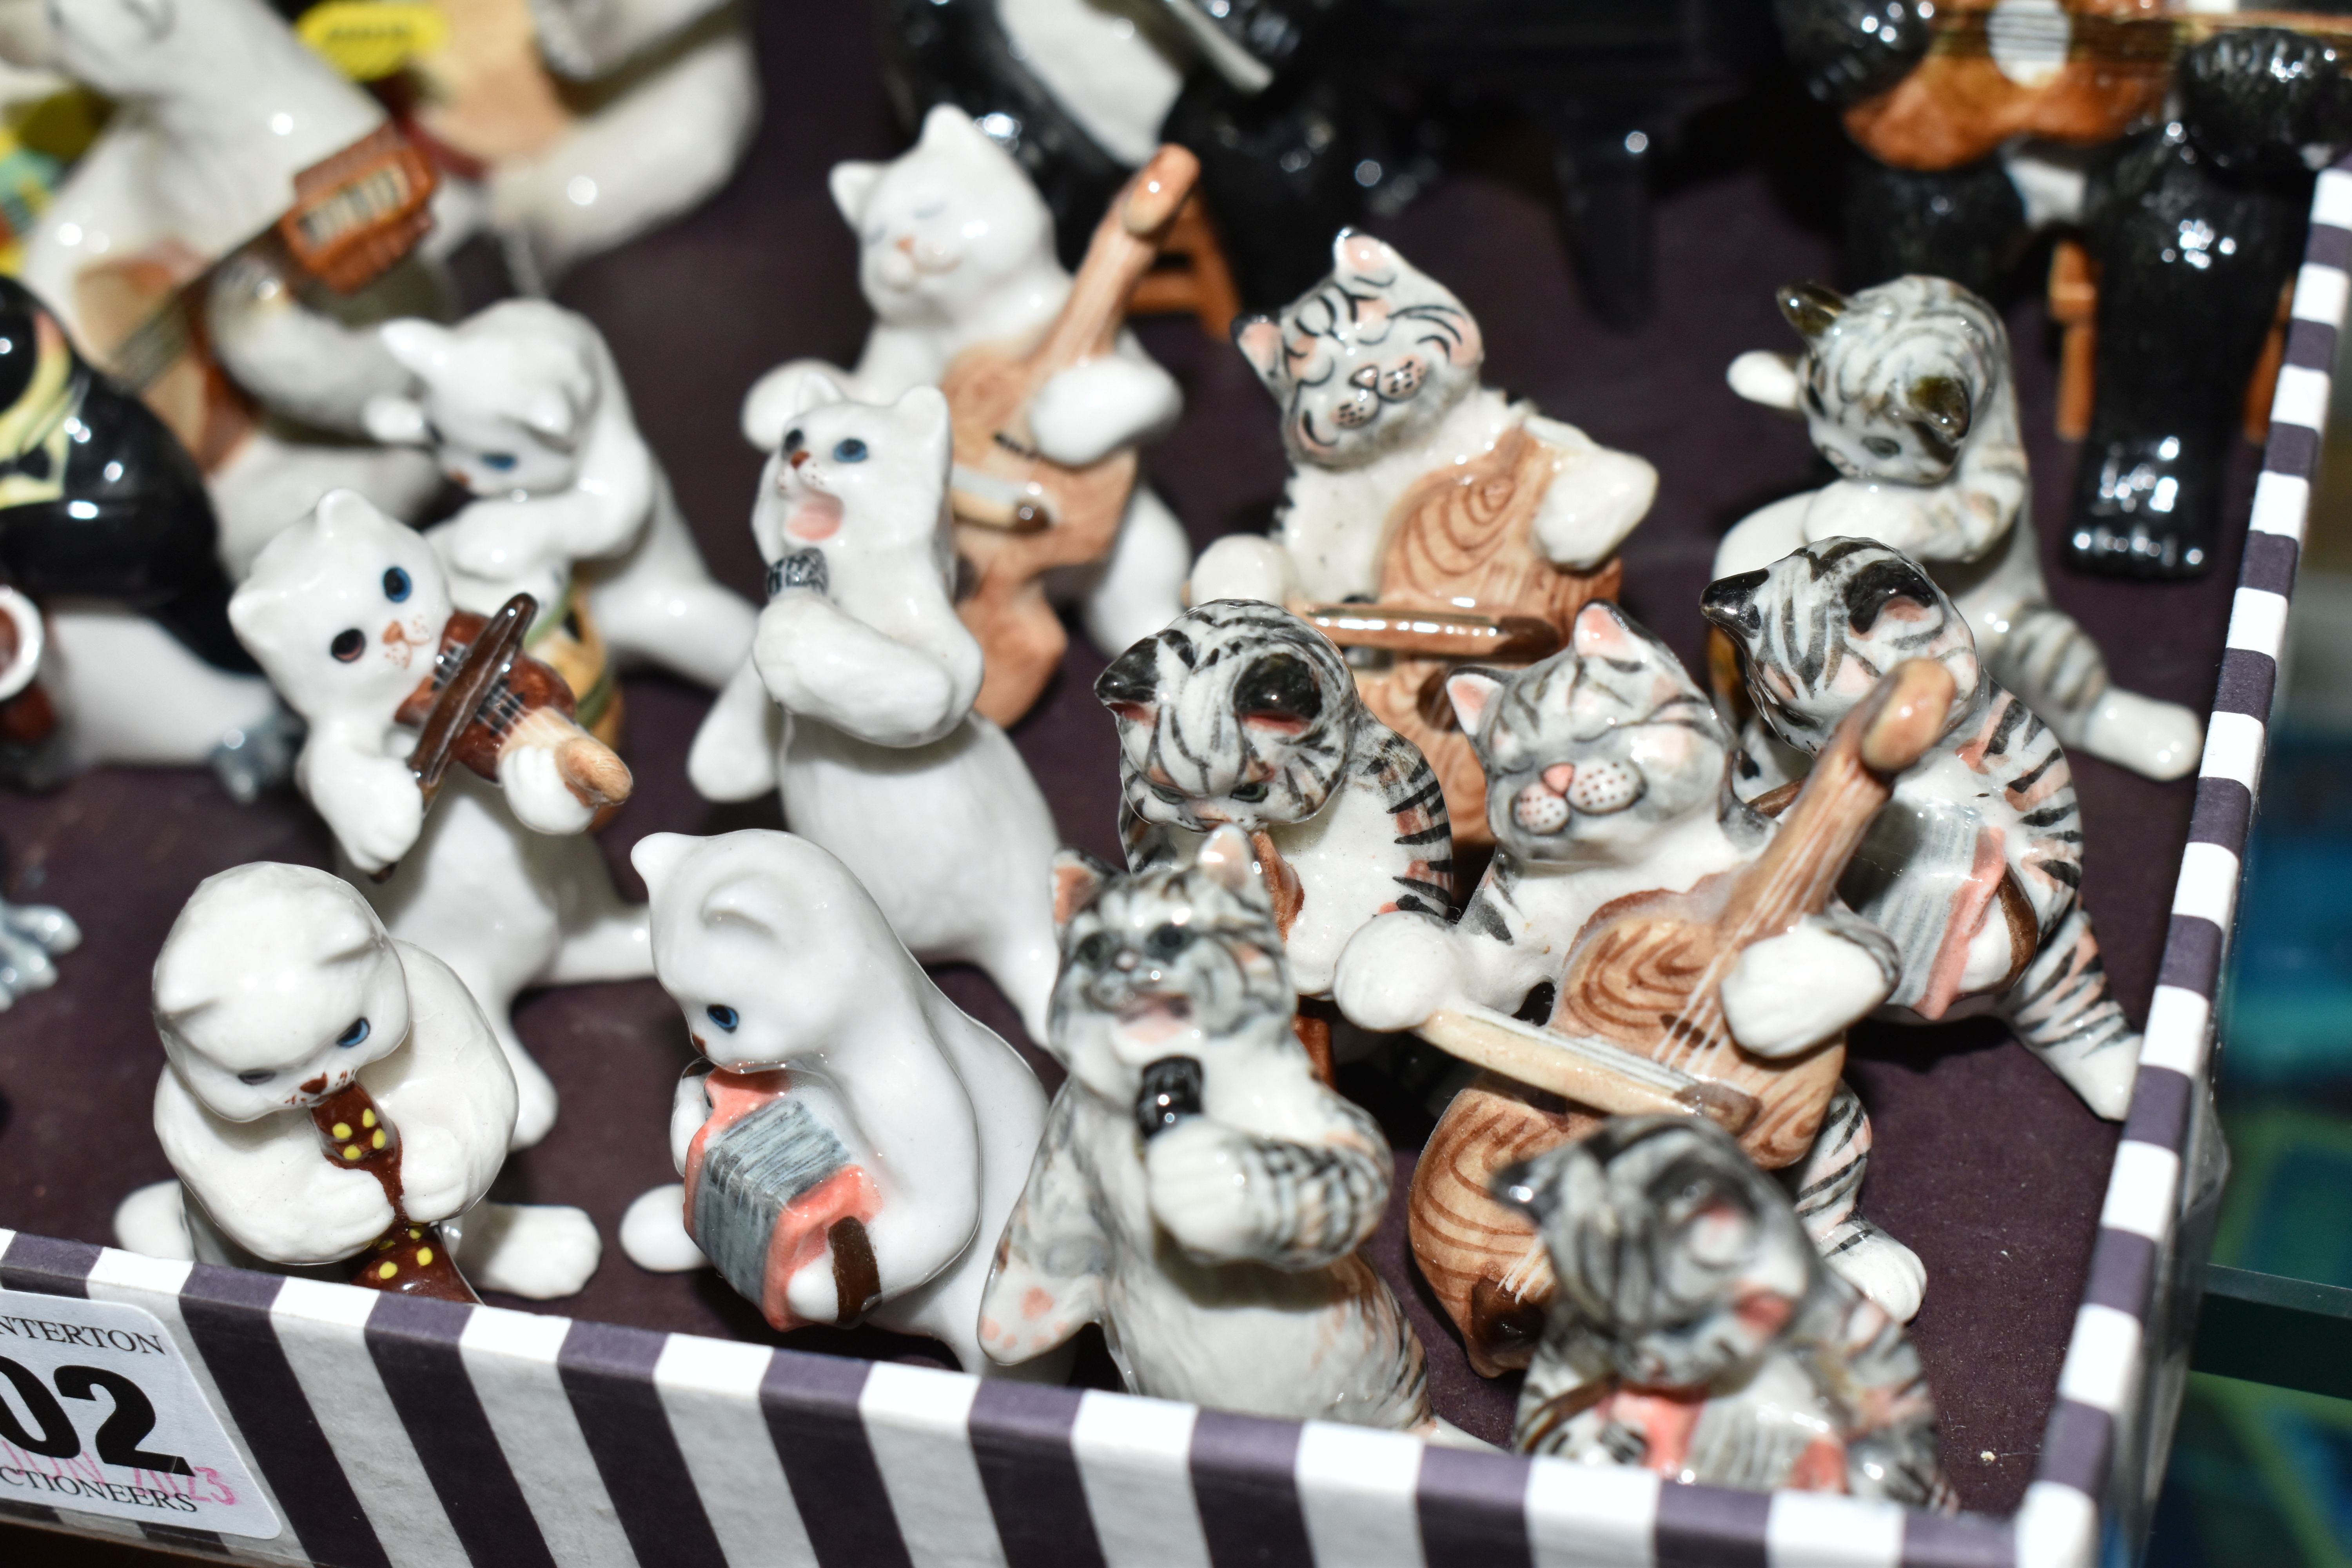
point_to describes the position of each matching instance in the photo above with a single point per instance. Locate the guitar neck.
(1853, 777)
(1125, 245)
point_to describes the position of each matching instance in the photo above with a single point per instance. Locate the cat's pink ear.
(1230, 861)
(851, 183)
(1602, 633)
(1260, 341)
(1354, 253)
(1077, 878)
(1472, 691)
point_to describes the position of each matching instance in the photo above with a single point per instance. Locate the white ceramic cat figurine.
(521, 405)
(277, 987)
(217, 107)
(1198, 1193)
(346, 611)
(856, 1150)
(1906, 388)
(881, 759)
(955, 251)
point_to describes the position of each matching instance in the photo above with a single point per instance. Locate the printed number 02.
(118, 1436)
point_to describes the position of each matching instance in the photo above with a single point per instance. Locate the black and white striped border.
(397, 1433)
(2107, 1359)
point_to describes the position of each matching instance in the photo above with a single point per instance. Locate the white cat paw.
(2102, 1076)
(1395, 973)
(538, 1251)
(537, 794)
(534, 1102)
(1094, 408)
(1882, 1268)
(1243, 566)
(2159, 740)
(1791, 991)
(154, 1222)
(30, 934)
(653, 1233)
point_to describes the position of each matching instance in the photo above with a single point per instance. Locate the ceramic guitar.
(1642, 943)
(1018, 513)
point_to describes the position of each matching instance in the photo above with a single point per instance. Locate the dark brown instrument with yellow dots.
(409, 1258)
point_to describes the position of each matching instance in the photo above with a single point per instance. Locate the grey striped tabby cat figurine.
(1197, 1192)
(1907, 389)
(1975, 867)
(1239, 712)
(1696, 1333)
(1608, 778)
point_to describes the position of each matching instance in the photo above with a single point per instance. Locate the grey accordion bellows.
(751, 1170)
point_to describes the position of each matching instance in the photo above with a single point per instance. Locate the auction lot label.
(99, 1414)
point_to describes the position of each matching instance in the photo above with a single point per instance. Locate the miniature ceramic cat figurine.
(1198, 1193)
(1906, 388)
(1608, 777)
(881, 759)
(1415, 488)
(161, 247)
(582, 124)
(1696, 1334)
(955, 252)
(104, 520)
(1975, 868)
(523, 405)
(857, 1149)
(348, 613)
(1240, 713)
(277, 988)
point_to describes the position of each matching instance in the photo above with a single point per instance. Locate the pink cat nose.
(905, 242)
(799, 457)
(1559, 776)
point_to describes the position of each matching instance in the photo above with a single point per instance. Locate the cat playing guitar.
(1020, 513)
(1681, 950)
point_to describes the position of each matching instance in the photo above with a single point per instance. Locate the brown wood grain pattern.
(1468, 532)
(1484, 1260)
(1647, 972)
(989, 391)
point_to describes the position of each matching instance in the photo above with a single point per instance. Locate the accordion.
(770, 1189)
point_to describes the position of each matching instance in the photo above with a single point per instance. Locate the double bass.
(1637, 1027)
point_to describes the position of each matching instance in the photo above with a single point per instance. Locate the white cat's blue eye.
(726, 1017)
(500, 461)
(396, 585)
(354, 1035)
(849, 449)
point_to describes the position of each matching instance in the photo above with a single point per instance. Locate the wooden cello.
(1018, 513)
(1638, 1027)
